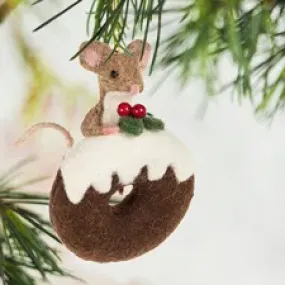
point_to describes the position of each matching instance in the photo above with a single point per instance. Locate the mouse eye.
(114, 74)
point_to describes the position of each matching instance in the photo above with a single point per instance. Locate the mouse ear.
(136, 47)
(93, 55)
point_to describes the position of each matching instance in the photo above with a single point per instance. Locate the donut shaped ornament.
(156, 166)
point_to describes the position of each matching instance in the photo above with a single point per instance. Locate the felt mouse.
(155, 165)
(120, 79)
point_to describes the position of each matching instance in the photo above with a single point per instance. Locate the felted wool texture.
(152, 123)
(94, 160)
(96, 231)
(131, 125)
(96, 58)
(129, 74)
(91, 125)
(129, 68)
(111, 102)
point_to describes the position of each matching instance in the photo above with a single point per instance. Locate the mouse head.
(122, 71)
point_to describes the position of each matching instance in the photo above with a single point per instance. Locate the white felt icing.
(111, 103)
(93, 161)
(119, 197)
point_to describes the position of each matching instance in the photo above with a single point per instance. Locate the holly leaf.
(153, 124)
(131, 125)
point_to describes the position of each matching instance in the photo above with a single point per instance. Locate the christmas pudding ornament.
(157, 166)
(123, 147)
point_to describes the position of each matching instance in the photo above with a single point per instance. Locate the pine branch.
(202, 33)
(23, 235)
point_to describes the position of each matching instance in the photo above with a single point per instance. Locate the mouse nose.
(135, 89)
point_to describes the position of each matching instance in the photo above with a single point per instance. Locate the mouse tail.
(35, 128)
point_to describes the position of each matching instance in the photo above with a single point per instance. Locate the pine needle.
(57, 15)
(23, 246)
(203, 32)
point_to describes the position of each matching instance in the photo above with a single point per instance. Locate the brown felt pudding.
(159, 168)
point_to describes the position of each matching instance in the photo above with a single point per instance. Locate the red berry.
(139, 111)
(124, 109)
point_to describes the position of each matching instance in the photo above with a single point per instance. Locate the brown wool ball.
(96, 231)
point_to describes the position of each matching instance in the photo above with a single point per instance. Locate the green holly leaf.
(131, 126)
(153, 124)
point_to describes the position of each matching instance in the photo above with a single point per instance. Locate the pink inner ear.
(135, 47)
(92, 58)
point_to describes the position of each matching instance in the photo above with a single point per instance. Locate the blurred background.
(234, 232)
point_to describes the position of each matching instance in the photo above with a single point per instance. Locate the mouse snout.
(135, 89)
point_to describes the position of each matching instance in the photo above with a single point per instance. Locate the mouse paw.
(110, 130)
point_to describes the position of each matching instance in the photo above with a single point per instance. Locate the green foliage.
(7, 7)
(197, 34)
(131, 125)
(153, 124)
(24, 251)
(135, 126)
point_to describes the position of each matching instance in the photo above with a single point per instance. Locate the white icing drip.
(111, 103)
(119, 197)
(93, 161)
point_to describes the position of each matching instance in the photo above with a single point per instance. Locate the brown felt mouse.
(120, 79)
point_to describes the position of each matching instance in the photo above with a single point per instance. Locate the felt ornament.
(134, 119)
(131, 125)
(153, 124)
(152, 163)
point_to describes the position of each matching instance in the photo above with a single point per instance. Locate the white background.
(234, 232)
